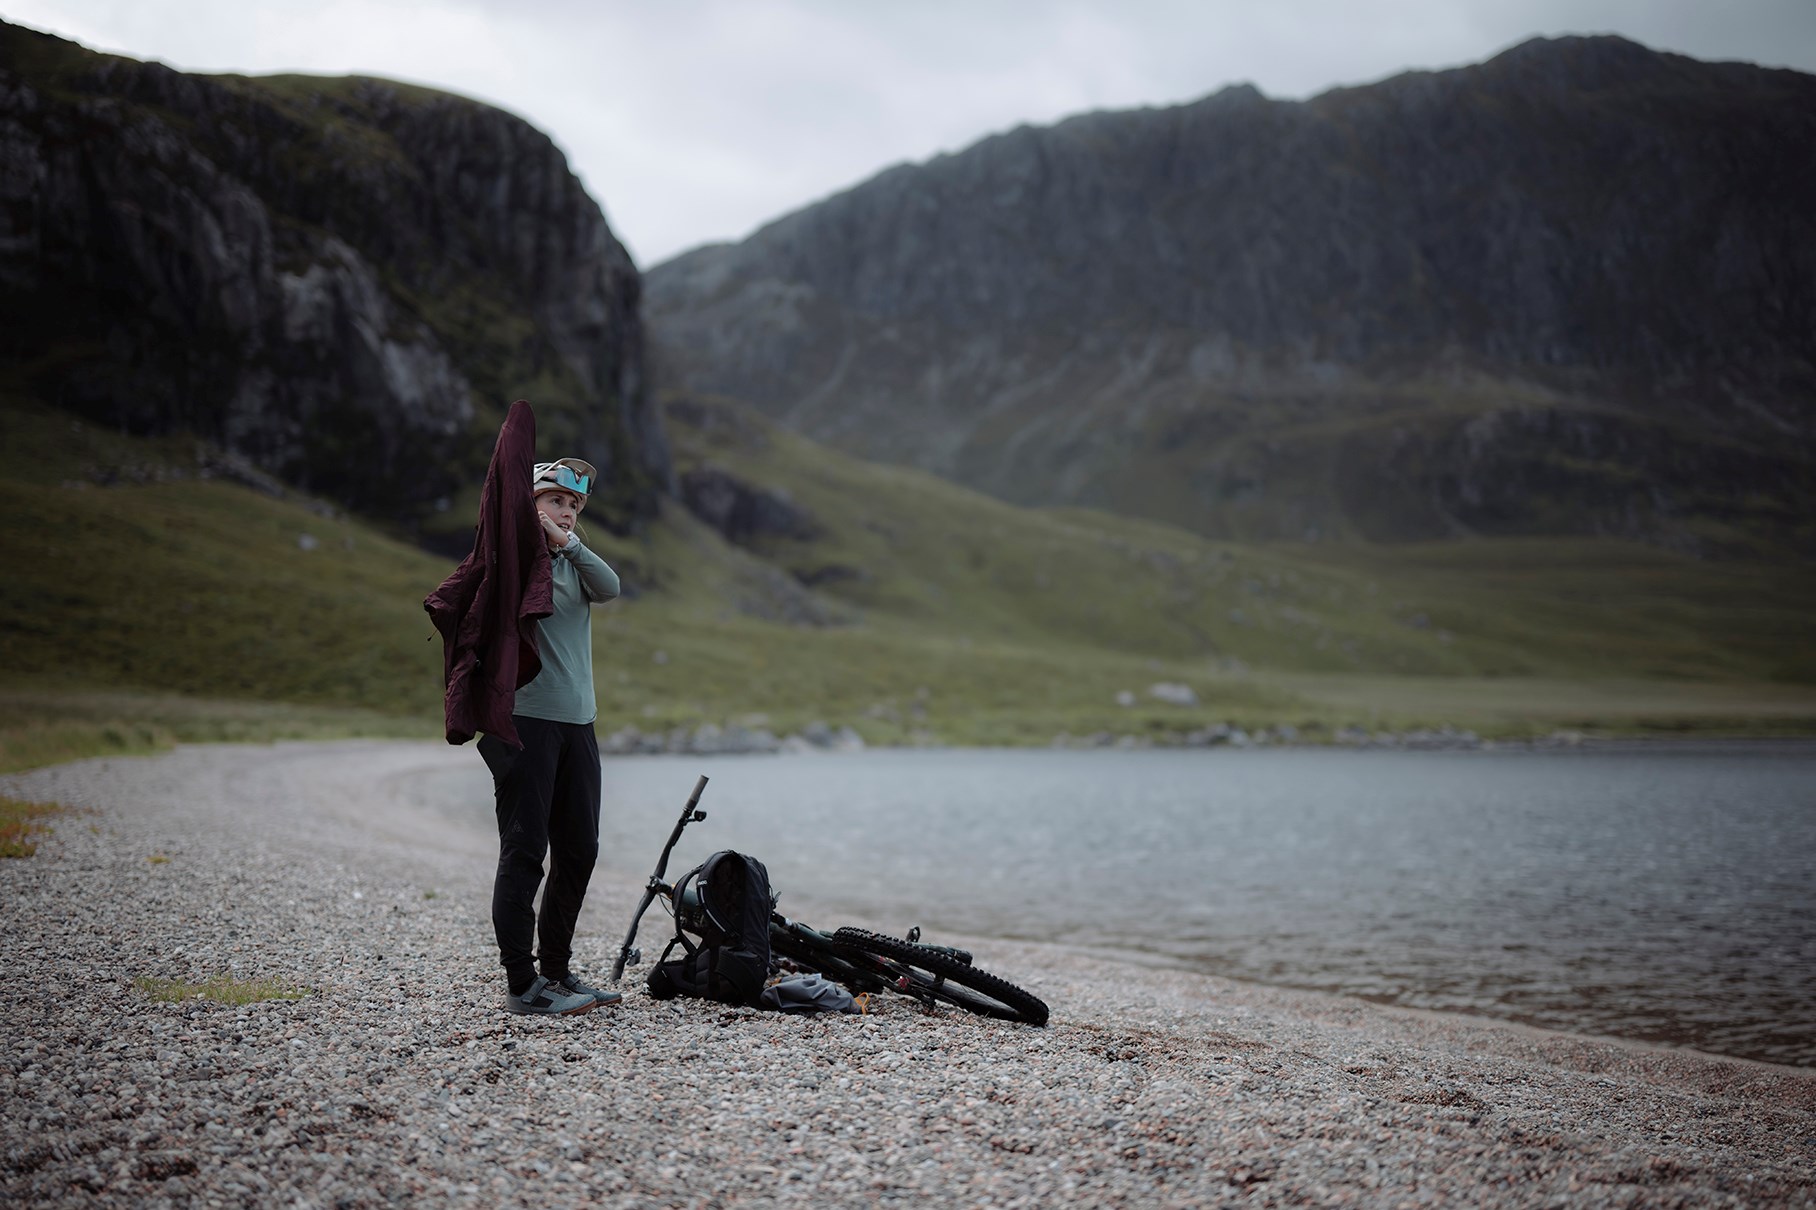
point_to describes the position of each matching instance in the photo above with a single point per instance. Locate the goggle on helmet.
(571, 474)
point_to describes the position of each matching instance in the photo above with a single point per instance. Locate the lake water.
(1663, 895)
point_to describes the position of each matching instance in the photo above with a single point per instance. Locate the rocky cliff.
(344, 280)
(1572, 289)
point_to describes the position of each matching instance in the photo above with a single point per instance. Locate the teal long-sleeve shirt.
(563, 691)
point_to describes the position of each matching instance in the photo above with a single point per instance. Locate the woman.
(548, 790)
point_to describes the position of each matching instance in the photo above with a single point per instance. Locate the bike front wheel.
(927, 973)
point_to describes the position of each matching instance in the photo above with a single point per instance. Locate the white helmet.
(566, 475)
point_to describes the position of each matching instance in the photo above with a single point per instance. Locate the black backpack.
(725, 902)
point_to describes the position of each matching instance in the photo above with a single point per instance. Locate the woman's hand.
(554, 533)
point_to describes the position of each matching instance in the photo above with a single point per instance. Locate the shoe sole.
(550, 1012)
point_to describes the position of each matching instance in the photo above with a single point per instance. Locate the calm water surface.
(1661, 895)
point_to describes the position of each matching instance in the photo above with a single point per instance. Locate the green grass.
(891, 685)
(1513, 706)
(20, 821)
(28, 742)
(51, 725)
(223, 989)
(945, 560)
(209, 591)
(167, 582)
(167, 608)
(1583, 609)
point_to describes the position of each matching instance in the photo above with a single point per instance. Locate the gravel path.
(399, 1076)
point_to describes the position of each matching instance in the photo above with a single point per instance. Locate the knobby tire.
(940, 975)
(819, 956)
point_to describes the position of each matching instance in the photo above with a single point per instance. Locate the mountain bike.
(865, 962)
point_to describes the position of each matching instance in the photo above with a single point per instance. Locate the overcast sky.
(699, 120)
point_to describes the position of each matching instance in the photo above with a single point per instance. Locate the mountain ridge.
(344, 280)
(1146, 310)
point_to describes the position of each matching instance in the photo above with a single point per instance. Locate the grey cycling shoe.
(545, 998)
(571, 984)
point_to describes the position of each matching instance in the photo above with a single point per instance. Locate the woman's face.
(561, 507)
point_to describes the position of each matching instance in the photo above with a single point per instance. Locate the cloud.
(694, 120)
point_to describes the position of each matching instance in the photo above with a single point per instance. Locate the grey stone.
(1173, 693)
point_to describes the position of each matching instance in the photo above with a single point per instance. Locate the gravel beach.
(398, 1077)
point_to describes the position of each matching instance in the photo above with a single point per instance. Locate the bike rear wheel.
(814, 953)
(920, 971)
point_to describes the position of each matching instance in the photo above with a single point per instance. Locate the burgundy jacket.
(485, 609)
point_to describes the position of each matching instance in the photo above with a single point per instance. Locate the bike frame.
(865, 962)
(627, 953)
(790, 930)
(825, 956)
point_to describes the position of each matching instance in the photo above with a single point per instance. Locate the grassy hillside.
(950, 561)
(146, 603)
(168, 582)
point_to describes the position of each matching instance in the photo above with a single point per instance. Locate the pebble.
(398, 1077)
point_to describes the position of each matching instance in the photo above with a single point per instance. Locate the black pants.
(548, 803)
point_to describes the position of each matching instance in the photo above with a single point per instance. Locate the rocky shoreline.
(1228, 735)
(397, 1077)
(735, 739)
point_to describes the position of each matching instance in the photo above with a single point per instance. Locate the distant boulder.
(742, 512)
(1172, 693)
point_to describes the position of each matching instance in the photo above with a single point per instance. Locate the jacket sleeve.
(597, 579)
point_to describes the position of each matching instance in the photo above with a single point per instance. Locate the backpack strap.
(694, 876)
(705, 874)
